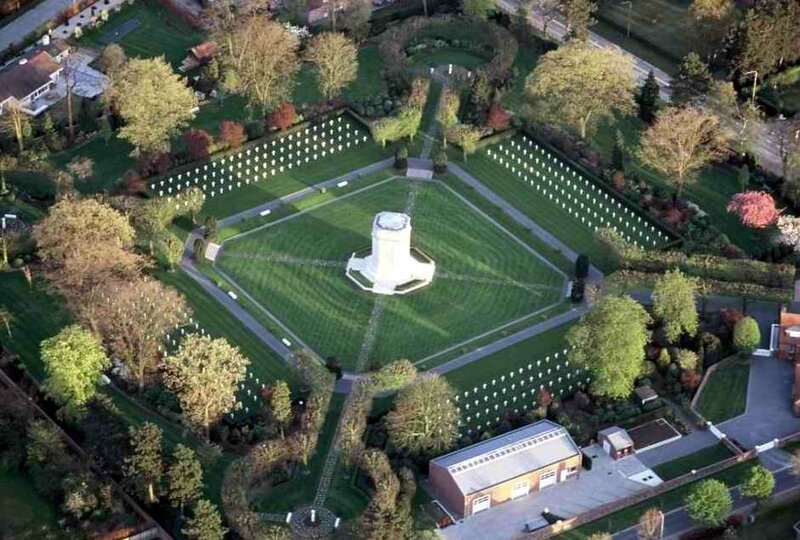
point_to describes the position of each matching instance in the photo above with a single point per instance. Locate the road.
(17, 30)
(678, 522)
(766, 146)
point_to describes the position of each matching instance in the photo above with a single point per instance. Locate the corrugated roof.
(508, 456)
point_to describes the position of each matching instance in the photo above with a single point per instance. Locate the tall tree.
(693, 81)
(466, 136)
(205, 374)
(335, 58)
(85, 243)
(144, 465)
(477, 9)
(354, 19)
(112, 58)
(184, 477)
(648, 98)
(578, 86)
(681, 142)
(709, 502)
(133, 317)
(767, 38)
(424, 419)
(712, 19)
(205, 523)
(73, 360)
(580, 17)
(264, 56)
(448, 112)
(743, 118)
(674, 304)
(155, 103)
(280, 403)
(609, 341)
(15, 122)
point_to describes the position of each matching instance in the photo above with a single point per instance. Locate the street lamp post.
(630, 9)
(755, 82)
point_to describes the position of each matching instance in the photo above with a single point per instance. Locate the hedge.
(622, 280)
(711, 267)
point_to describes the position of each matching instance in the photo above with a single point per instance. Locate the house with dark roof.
(26, 79)
(504, 468)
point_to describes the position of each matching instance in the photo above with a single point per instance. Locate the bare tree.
(651, 525)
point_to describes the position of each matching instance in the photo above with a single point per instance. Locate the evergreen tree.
(618, 152)
(144, 467)
(693, 81)
(184, 477)
(647, 98)
(205, 523)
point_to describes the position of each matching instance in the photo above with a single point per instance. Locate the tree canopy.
(205, 374)
(709, 502)
(674, 297)
(759, 483)
(610, 341)
(578, 86)
(746, 334)
(335, 59)
(154, 102)
(74, 360)
(424, 419)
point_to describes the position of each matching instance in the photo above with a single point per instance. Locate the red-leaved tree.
(282, 117)
(231, 134)
(756, 209)
(498, 118)
(198, 142)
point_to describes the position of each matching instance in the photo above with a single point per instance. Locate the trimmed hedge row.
(711, 267)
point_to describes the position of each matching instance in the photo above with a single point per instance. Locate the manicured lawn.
(666, 501)
(216, 320)
(698, 460)
(448, 55)
(712, 191)
(773, 522)
(725, 394)
(661, 30)
(343, 499)
(510, 379)
(485, 279)
(526, 60)
(553, 202)
(24, 514)
(276, 166)
(159, 32)
(368, 81)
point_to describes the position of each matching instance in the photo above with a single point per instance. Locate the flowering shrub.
(756, 209)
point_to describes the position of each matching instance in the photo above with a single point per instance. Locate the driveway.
(606, 482)
(17, 30)
(768, 414)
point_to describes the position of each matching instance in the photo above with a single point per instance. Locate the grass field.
(484, 277)
(526, 60)
(159, 32)
(670, 500)
(552, 202)
(275, 167)
(697, 460)
(725, 394)
(368, 80)
(661, 30)
(773, 522)
(24, 514)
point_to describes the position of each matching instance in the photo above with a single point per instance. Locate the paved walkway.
(17, 30)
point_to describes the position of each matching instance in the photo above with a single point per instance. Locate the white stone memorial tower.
(392, 266)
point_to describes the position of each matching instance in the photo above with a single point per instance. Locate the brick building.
(505, 467)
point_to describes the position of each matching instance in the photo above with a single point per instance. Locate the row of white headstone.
(524, 154)
(259, 163)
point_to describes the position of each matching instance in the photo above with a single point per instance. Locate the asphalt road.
(17, 30)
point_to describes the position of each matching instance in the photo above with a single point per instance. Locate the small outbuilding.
(506, 467)
(645, 394)
(616, 442)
